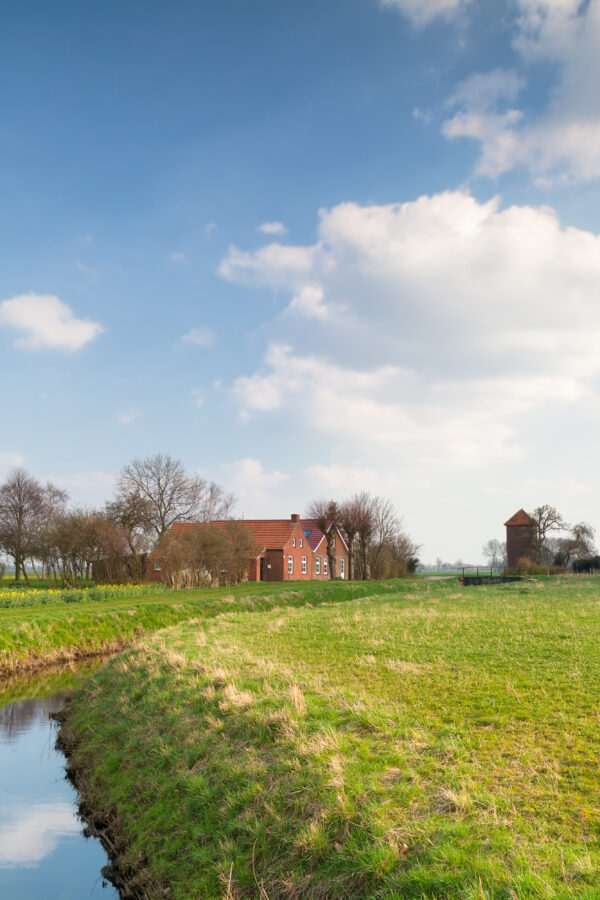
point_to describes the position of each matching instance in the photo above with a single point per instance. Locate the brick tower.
(521, 530)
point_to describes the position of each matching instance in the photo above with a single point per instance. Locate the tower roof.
(521, 518)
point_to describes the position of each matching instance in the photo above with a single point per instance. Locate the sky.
(308, 249)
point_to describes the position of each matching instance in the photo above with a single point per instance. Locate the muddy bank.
(60, 658)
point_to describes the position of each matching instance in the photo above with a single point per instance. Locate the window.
(304, 565)
(318, 565)
(325, 561)
(301, 541)
(293, 542)
(342, 567)
(290, 565)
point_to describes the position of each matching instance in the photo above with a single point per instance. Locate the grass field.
(431, 742)
(56, 632)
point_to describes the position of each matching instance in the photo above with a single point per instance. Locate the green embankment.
(44, 635)
(435, 742)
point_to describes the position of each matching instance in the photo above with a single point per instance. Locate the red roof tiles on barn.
(521, 518)
(268, 534)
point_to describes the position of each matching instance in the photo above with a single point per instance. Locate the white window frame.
(301, 542)
(325, 566)
(290, 565)
(304, 569)
(318, 565)
(293, 542)
(342, 567)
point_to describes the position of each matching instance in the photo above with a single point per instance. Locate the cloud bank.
(560, 145)
(444, 321)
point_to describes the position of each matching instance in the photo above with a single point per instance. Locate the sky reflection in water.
(43, 853)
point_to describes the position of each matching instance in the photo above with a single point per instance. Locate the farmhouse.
(291, 549)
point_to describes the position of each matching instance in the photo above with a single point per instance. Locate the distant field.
(435, 741)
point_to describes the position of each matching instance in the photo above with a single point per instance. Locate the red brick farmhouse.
(291, 549)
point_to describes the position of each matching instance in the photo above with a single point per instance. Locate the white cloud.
(86, 488)
(423, 115)
(250, 483)
(460, 319)
(45, 321)
(129, 416)
(562, 143)
(198, 397)
(9, 459)
(274, 265)
(422, 12)
(199, 337)
(273, 228)
(308, 301)
(178, 257)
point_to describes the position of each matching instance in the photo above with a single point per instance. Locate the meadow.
(421, 740)
(45, 626)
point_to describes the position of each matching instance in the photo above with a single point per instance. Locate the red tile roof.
(315, 535)
(268, 534)
(521, 518)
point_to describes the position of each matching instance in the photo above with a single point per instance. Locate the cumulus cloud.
(129, 416)
(250, 483)
(275, 265)
(199, 337)
(460, 318)
(562, 144)
(45, 321)
(422, 12)
(273, 228)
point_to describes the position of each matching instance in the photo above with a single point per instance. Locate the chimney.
(295, 517)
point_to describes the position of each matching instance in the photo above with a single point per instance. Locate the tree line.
(377, 541)
(555, 543)
(41, 532)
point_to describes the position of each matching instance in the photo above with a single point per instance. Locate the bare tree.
(386, 526)
(326, 515)
(365, 513)
(26, 506)
(161, 492)
(349, 524)
(578, 544)
(548, 519)
(378, 546)
(495, 553)
(205, 554)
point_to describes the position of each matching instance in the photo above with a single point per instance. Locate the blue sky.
(307, 248)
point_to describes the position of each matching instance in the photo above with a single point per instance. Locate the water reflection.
(29, 833)
(43, 853)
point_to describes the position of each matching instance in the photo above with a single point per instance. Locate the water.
(43, 854)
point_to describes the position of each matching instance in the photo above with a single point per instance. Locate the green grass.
(44, 635)
(430, 742)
